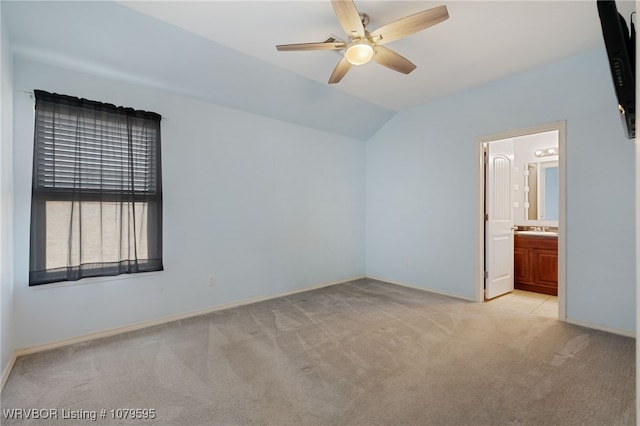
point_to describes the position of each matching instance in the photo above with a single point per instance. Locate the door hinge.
(486, 274)
(486, 217)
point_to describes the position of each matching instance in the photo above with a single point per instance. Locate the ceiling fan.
(362, 46)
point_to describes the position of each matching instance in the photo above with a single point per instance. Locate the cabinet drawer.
(532, 241)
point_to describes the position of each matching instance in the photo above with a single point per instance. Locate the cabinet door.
(546, 271)
(521, 265)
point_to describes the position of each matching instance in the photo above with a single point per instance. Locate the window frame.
(41, 194)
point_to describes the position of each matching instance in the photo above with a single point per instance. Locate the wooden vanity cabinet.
(536, 263)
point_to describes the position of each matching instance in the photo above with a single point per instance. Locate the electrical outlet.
(212, 280)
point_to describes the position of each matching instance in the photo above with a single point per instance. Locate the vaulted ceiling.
(481, 41)
(224, 51)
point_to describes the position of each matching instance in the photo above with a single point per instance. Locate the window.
(96, 205)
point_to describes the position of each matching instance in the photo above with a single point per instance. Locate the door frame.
(560, 126)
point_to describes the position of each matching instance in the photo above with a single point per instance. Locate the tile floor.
(538, 304)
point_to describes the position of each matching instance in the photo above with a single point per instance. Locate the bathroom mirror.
(543, 196)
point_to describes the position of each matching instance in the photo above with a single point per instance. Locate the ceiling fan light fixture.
(359, 52)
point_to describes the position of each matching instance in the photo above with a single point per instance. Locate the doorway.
(486, 258)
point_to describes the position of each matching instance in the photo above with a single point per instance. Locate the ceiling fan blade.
(393, 60)
(410, 24)
(340, 70)
(348, 17)
(310, 46)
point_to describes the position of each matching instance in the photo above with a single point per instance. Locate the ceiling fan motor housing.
(364, 18)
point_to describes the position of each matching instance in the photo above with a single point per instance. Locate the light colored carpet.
(361, 353)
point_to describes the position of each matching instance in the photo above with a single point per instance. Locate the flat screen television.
(620, 43)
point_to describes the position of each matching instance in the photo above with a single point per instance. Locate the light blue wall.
(268, 206)
(422, 187)
(264, 205)
(6, 200)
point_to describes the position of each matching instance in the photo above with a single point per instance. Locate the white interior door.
(499, 224)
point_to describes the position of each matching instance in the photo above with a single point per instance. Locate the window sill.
(95, 280)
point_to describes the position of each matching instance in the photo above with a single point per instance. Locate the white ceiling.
(482, 41)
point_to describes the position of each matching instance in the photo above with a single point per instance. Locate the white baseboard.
(7, 369)
(166, 319)
(176, 317)
(620, 331)
(423, 288)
